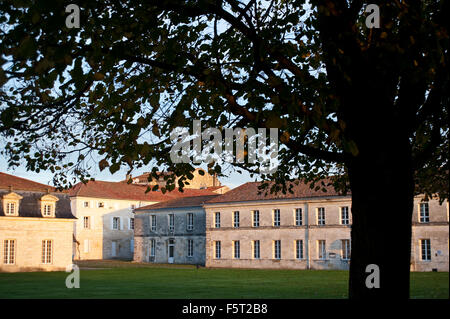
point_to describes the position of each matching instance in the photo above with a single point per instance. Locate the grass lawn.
(118, 279)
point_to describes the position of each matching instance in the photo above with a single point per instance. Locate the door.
(171, 250)
(113, 249)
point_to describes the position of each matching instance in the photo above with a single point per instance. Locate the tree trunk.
(382, 184)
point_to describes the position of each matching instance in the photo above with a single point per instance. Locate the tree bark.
(382, 184)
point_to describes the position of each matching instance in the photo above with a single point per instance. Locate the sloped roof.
(31, 193)
(120, 190)
(8, 180)
(191, 201)
(249, 192)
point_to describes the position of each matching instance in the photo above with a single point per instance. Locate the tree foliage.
(117, 86)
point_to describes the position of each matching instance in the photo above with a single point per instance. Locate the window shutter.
(112, 222)
(121, 226)
(86, 245)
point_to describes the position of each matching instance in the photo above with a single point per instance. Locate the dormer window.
(10, 208)
(48, 204)
(48, 209)
(10, 203)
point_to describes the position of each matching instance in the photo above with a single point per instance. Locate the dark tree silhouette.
(368, 106)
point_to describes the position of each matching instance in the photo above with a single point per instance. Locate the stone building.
(199, 181)
(172, 231)
(36, 226)
(306, 230)
(105, 225)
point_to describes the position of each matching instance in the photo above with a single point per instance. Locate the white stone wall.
(28, 233)
(97, 242)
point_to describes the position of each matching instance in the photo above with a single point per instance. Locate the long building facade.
(306, 230)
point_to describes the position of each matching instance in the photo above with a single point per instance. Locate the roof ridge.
(27, 180)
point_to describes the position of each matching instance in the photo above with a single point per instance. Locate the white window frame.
(236, 249)
(86, 204)
(153, 222)
(101, 205)
(86, 246)
(277, 249)
(345, 249)
(88, 224)
(190, 248)
(116, 223)
(321, 249)
(276, 218)
(171, 222)
(236, 219)
(424, 215)
(47, 252)
(425, 249)
(190, 221)
(11, 208)
(345, 215)
(298, 217)
(47, 210)
(256, 249)
(9, 251)
(299, 251)
(321, 219)
(217, 249)
(255, 218)
(217, 220)
(152, 247)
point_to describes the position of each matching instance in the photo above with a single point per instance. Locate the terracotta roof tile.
(7, 180)
(120, 190)
(249, 192)
(192, 201)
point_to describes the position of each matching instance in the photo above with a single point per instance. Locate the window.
(87, 222)
(10, 208)
(237, 249)
(153, 223)
(190, 248)
(424, 213)
(190, 221)
(277, 249)
(171, 222)
(131, 223)
(86, 245)
(255, 218)
(217, 251)
(345, 220)
(299, 249)
(152, 247)
(9, 251)
(298, 217)
(133, 206)
(101, 204)
(276, 217)
(236, 219)
(345, 253)
(217, 220)
(426, 249)
(256, 249)
(47, 210)
(86, 204)
(116, 223)
(46, 251)
(322, 253)
(321, 216)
